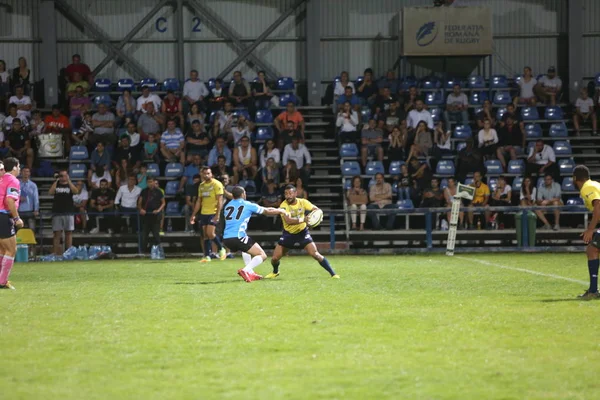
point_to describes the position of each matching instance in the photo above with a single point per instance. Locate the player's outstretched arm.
(292, 221)
(273, 211)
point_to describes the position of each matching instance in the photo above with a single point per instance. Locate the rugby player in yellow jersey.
(295, 231)
(209, 204)
(589, 191)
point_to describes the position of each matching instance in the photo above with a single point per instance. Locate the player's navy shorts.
(7, 226)
(239, 244)
(289, 240)
(206, 219)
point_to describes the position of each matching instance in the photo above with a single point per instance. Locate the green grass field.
(402, 327)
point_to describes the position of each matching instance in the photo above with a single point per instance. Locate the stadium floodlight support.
(248, 50)
(211, 18)
(88, 27)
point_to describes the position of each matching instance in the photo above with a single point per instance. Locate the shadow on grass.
(561, 300)
(209, 282)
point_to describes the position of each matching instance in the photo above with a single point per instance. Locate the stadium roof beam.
(313, 52)
(131, 35)
(212, 18)
(248, 50)
(89, 28)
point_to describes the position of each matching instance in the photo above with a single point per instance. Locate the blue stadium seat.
(435, 98)
(374, 167)
(395, 167)
(173, 170)
(502, 98)
(264, 133)
(172, 188)
(530, 145)
(445, 168)
(211, 83)
(286, 98)
(567, 184)
(492, 183)
(517, 79)
(539, 182)
(468, 181)
(478, 97)
(405, 204)
(533, 131)
(493, 167)
(518, 150)
(149, 83)
(566, 166)
(173, 208)
(372, 182)
(499, 82)
(171, 84)
(78, 153)
(350, 168)
(153, 170)
(77, 171)
(212, 116)
(575, 201)
(285, 83)
(529, 114)
(562, 148)
(516, 167)
(559, 129)
(103, 99)
(476, 82)
(102, 85)
(243, 112)
(500, 113)
(337, 79)
(407, 82)
(249, 186)
(436, 114)
(450, 82)
(125, 83)
(460, 146)
(553, 113)
(359, 81)
(462, 132)
(517, 183)
(430, 82)
(365, 115)
(444, 183)
(347, 184)
(264, 117)
(348, 150)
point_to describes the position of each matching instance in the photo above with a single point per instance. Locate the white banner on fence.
(446, 31)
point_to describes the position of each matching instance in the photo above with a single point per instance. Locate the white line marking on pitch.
(527, 271)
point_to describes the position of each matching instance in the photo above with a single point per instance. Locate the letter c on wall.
(159, 24)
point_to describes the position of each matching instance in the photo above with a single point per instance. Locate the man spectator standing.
(29, 205)
(371, 139)
(150, 205)
(549, 195)
(548, 87)
(172, 143)
(367, 90)
(150, 122)
(220, 149)
(18, 144)
(299, 153)
(457, 104)
(81, 68)
(58, 124)
(22, 102)
(584, 111)
(291, 115)
(194, 92)
(541, 160)
(481, 198)
(104, 126)
(380, 196)
(78, 105)
(240, 93)
(126, 200)
(62, 210)
(146, 98)
(419, 114)
(102, 202)
(347, 121)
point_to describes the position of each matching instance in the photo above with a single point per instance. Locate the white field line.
(527, 271)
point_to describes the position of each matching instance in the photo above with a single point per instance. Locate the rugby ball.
(314, 218)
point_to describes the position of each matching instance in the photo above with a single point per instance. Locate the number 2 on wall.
(196, 27)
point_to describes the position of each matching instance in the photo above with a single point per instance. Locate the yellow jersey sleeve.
(590, 191)
(219, 190)
(308, 206)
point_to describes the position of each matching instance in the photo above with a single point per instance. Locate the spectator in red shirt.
(58, 123)
(82, 68)
(171, 108)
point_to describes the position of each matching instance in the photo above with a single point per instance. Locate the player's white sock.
(247, 257)
(255, 262)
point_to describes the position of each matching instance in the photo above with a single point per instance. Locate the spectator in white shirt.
(488, 139)
(419, 114)
(541, 160)
(347, 121)
(23, 103)
(146, 98)
(100, 174)
(127, 197)
(456, 107)
(548, 87)
(269, 150)
(526, 85)
(342, 84)
(584, 111)
(194, 91)
(297, 152)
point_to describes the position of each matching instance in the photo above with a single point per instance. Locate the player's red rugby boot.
(254, 276)
(245, 275)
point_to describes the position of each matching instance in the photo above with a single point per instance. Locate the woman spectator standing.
(269, 151)
(357, 199)
(423, 142)
(171, 108)
(125, 109)
(21, 76)
(397, 146)
(526, 85)
(261, 92)
(488, 139)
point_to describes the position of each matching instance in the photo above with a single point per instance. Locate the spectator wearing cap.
(194, 92)
(125, 109)
(456, 107)
(150, 123)
(172, 143)
(367, 90)
(291, 114)
(146, 98)
(350, 97)
(347, 122)
(548, 87)
(584, 111)
(371, 138)
(104, 126)
(541, 160)
(78, 105)
(80, 68)
(171, 108)
(526, 85)
(219, 149)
